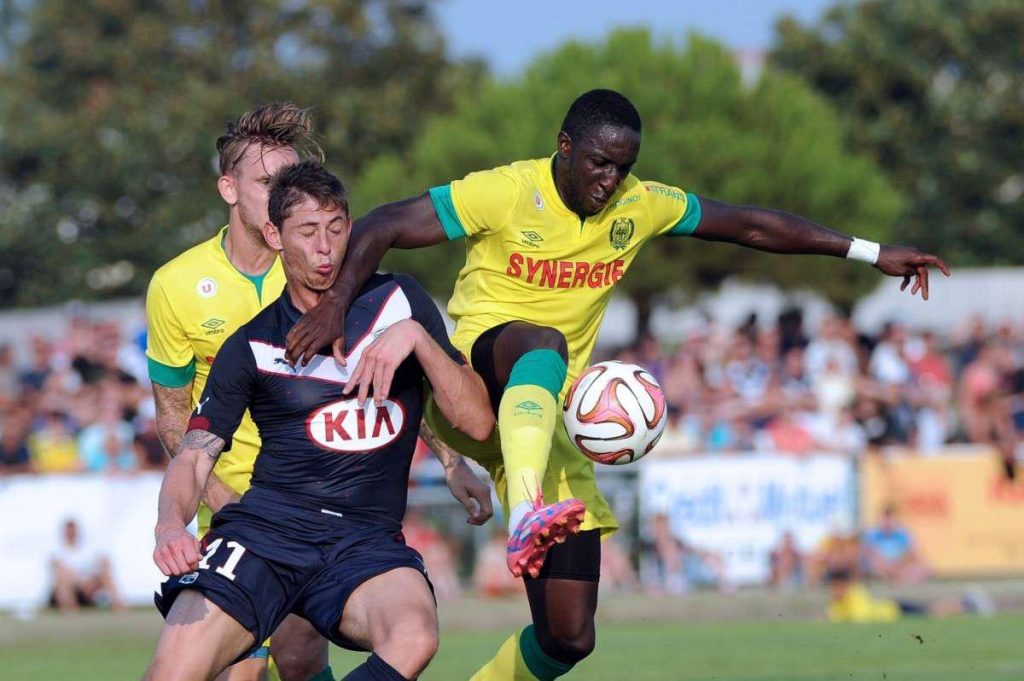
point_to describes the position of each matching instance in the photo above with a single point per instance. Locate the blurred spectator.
(681, 435)
(438, 556)
(985, 402)
(9, 384)
(830, 346)
(679, 566)
(787, 564)
(15, 427)
(850, 601)
(891, 553)
(617, 573)
(81, 575)
(34, 377)
(839, 550)
(107, 444)
(491, 577)
(52, 447)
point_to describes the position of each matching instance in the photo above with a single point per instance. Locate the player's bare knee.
(292, 666)
(411, 644)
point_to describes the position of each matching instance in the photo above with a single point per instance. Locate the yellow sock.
(510, 662)
(506, 665)
(527, 417)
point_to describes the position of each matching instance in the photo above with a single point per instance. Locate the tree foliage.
(109, 110)
(933, 92)
(771, 143)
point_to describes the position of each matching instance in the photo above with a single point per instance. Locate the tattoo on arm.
(445, 454)
(173, 405)
(203, 441)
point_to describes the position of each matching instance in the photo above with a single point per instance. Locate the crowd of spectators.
(80, 400)
(778, 388)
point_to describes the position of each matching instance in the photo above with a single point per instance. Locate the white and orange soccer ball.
(615, 412)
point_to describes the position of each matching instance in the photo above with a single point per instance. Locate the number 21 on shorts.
(228, 568)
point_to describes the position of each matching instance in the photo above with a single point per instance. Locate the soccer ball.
(615, 412)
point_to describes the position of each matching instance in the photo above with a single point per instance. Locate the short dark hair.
(596, 108)
(308, 179)
(277, 124)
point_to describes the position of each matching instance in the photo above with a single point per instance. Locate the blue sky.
(509, 34)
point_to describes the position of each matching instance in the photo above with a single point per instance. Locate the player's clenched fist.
(177, 552)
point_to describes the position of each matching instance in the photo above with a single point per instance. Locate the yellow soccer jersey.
(194, 303)
(532, 259)
(858, 605)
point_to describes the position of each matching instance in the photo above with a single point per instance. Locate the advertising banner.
(739, 506)
(965, 516)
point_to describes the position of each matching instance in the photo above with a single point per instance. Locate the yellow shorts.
(569, 473)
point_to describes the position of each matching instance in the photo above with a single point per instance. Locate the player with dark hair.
(318, 533)
(199, 298)
(547, 240)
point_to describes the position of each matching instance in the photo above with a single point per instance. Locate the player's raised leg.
(529, 363)
(198, 641)
(394, 615)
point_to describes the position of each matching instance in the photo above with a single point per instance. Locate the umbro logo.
(528, 408)
(213, 325)
(531, 238)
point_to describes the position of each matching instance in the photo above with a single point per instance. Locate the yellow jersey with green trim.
(530, 258)
(194, 303)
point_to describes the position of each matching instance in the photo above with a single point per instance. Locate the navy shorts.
(268, 556)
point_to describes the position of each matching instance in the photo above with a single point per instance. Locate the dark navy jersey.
(319, 445)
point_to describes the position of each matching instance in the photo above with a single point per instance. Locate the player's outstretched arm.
(177, 551)
(779, 232)
(410, 223)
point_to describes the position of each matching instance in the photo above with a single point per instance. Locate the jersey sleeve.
(169, 354)
(228, 390)
(673, 212)
(477, 205)
(426, 313)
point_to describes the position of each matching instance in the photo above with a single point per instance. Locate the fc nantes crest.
(620, 233)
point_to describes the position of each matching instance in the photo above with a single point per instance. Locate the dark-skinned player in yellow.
(546, 242)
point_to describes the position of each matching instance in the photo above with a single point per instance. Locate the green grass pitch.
(105, 647)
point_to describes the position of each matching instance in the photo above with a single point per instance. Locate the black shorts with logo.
(268, 556)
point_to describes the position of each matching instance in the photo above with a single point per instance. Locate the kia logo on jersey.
(351, 426)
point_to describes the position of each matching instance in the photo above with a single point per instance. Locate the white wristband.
(861, 249)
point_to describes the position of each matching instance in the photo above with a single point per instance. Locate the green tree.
(110, 108)
(932, 91)
(772, 143)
